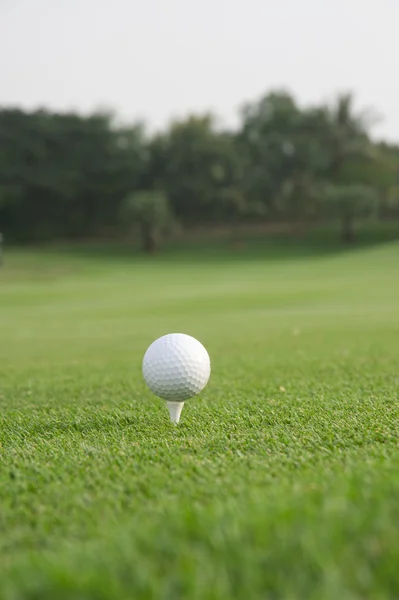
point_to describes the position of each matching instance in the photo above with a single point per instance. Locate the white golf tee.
(175, 409)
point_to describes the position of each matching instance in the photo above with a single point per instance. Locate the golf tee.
(175, 409)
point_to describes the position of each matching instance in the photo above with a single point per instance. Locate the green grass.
(282, 479)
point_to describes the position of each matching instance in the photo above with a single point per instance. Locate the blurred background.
(151, 124)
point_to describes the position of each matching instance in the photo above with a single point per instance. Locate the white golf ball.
(176, 367)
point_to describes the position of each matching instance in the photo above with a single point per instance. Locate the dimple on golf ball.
(176, 367)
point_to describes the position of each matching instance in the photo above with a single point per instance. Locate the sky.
(156, 60)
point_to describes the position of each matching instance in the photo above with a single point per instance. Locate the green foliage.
(10, 194)
(346, 134)
(71, 172)
(350, 203)
(285, 155)
(282, 479)
(373, 169)
(148, 207)
(391, 200)
(150, 210)
(67, 176)
(197, 166)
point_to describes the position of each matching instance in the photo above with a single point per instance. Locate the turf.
(282, 479)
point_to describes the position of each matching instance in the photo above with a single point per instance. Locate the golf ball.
(176, 367)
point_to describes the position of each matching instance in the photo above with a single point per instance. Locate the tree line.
(68, 176)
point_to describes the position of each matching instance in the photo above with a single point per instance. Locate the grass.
(281, 480)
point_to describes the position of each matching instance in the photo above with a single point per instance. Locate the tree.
(349, 204)
(285, 156)
(63, 175)
(196, 165)
(388, 179)
(70, 173)
(345, 134)
(151, 212)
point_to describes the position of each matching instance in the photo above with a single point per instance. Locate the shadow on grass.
(313, 243)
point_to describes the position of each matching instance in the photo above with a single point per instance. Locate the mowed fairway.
(282, 479)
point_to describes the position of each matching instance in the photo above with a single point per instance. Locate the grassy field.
(282, 479)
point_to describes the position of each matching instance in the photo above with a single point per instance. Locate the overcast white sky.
(157, 59)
